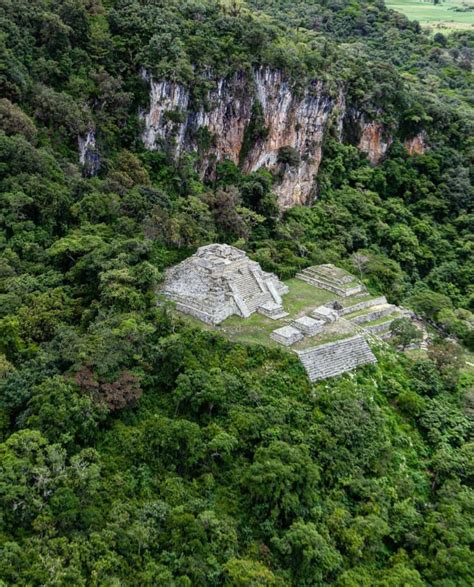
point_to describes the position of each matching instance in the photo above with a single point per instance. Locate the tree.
(243, 572)
(404, 332)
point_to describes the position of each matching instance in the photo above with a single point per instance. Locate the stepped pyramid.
(219, 281)
(332, 279)
(335, 358)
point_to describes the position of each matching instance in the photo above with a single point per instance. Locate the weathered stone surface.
(325, 313)
(287, 335)
(374, 141)
(218, 281)
(291, 120)
(417, 145)
(272, 310)
(374, 313)
(335, 358)
(344, 310)
(307, 325)
(89, 156)
(333, 279)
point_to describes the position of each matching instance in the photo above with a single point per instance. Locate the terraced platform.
(332, 279)
(335, 358)
(325, 317)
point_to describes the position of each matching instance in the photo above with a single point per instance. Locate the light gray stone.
(335, 358)
(332, 279)
(219, 281)
(307, 325)
(325, 313)
(287, 335)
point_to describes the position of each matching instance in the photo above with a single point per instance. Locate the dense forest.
(137, 449)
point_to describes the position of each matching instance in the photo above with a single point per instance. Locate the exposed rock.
(217, 131)
(416, 145)
(88, 154)
(374, 141)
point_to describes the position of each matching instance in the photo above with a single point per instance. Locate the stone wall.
(335, 358)
(362, 305)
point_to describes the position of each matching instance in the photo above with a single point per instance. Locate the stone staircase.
(253, 294)
(382, 328)
(362, 305)
(374, 313)
(335, 358)
(314, 277)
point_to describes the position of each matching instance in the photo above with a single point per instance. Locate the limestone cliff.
(374, 141)
(416, 145)
(222, 125)
(217, 128)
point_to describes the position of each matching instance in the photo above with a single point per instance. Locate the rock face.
(219, 281)
(374, 141)
(416, 145)
(257, 119)
(219, 128)
(88, 154)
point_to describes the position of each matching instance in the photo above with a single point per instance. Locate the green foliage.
(404, 332)
(138, 450)
(255, 131)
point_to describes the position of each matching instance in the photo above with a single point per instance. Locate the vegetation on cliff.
(137, 450)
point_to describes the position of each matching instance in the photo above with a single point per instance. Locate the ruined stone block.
(286, 335)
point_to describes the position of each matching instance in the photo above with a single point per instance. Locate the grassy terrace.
(301, 299)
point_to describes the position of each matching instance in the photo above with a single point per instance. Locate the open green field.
(445, 16)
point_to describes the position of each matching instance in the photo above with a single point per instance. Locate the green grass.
(301, 299)
(440, 16)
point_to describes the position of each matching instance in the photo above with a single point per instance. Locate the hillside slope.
(137, 450)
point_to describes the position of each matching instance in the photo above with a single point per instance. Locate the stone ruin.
(219, 281)
(287, 335)
(332, 279)
(335, 358)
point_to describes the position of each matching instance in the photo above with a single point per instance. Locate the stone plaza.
(220, 281)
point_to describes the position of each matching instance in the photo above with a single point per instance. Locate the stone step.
(313, 273)
(321, 284)
(333, 273)
(362, 305)
(381, 326)
(374, 313)
(308, 325)
(317, 273)
(259, 300)
(331, 359)
(286, 335)
(272, 310)
(246, 284)
(317, 282)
